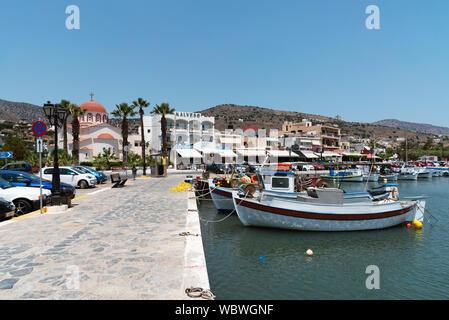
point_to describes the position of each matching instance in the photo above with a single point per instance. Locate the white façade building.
(183, 129)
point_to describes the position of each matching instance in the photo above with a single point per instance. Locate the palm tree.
(123, 111)
(372, 144)
(66, 105)
(75, 111)
(140, 103)
(163, 109)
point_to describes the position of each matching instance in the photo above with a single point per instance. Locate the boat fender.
(417, 224)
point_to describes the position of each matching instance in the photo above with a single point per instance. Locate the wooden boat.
(283, 185)
(323, 210)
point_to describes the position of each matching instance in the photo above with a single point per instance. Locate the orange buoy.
(408, 225)
(254, 178)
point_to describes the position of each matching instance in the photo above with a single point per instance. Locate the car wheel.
(83, 184)
(22, 206)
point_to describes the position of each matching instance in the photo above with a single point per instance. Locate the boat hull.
(222, 198)
(425, 175)
(390, 177)
(407, 176)
(307, 218)
(371, 178)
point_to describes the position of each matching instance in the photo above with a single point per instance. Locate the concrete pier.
(113, 244)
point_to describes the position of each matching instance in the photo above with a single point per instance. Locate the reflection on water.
(413, 263)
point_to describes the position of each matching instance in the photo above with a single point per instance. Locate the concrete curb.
(195, 269)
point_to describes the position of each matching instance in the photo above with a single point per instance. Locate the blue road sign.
(6, 154)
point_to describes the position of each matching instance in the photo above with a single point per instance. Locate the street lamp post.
(56, 116)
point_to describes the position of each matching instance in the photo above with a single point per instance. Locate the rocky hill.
(229, 114)
(236, 116)
(16, 111)
(412, 126)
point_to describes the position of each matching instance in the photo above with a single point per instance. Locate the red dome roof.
(106, 136)
(92, 106)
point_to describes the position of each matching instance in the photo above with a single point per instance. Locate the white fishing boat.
(424, 174)
(323, 209)
(408, 174)
(373, 177)
(390, 177)
(283, 185)
(276, 182)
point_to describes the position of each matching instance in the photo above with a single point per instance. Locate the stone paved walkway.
(115, 244)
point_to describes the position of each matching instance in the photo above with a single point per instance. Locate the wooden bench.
(117, 181)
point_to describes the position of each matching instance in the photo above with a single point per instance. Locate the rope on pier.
(200, 293)
(188, 234)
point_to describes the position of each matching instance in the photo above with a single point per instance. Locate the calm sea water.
(261, 263)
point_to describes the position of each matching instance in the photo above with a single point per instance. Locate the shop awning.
(328, 154)
(308, 154)
(282, 153)
(226, 153)
(189, 153)
(251, 152)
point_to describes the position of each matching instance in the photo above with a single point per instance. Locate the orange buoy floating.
(408, 225)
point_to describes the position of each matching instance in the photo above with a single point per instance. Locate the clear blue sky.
(301, 55)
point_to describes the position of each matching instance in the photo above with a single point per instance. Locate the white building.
(183, 129)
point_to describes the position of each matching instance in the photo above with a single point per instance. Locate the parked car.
(18, 166)
(72, 176)
(101, 177)
(7, 209)
(25, 199)
(25, 179)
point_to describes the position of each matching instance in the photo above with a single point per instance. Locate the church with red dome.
(96, 134)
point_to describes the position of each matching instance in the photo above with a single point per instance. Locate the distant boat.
(408, 176)
(373, 177)
(344, 176)
(390, 177)
(323, 209)
(424, 174)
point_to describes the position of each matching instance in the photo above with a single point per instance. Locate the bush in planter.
(86, 163)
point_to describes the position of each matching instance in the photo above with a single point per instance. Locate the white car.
(25, 199)
(71, 176)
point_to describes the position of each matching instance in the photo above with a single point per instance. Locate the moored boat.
(344, 176)
(373, 177)
(323, 210)
(390, 177)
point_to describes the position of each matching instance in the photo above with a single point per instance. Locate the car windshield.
(32, 176)
(77, 170)
(5, 184)
(81, 170)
